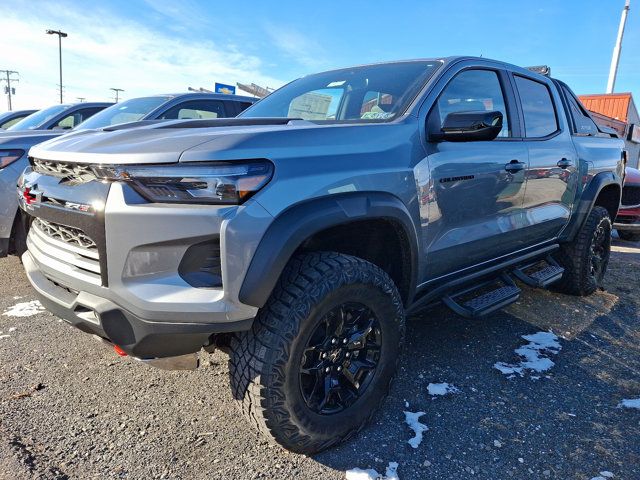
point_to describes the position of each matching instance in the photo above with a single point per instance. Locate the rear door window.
(77, 117)
(196, 109)
(242, 106)
(537, 107)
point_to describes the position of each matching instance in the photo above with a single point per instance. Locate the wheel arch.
(604, 190)
(337, 223)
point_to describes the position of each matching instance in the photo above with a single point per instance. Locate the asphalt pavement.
(70, 408)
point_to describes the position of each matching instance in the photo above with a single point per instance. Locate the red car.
(628, 220)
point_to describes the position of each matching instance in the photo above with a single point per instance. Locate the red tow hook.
(29, 198)
(119, 351)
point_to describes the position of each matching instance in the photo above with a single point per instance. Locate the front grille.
(68, 171)
(66, 234)
(631, 195)
(66, 250)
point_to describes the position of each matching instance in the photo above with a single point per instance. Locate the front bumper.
(627, 227)
(137, 336)
(628, 219)
(127, 287)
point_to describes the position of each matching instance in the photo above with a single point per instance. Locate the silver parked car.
(15, 144)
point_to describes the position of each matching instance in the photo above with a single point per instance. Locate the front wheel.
(585, 259)
(321, 354)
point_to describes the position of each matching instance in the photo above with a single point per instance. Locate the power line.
(8, 79)
(117, 90)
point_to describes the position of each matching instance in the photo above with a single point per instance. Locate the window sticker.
(377, 115)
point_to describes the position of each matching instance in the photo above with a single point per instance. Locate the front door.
(474, 197)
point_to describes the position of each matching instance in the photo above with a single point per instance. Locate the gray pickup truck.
(299, 235)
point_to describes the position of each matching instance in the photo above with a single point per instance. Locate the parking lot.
(70, 408)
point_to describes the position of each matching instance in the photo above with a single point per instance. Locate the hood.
(31, 133)
(25, 142)
(207, 140)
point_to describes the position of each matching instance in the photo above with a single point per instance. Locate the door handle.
(514, 166)
(564, 163)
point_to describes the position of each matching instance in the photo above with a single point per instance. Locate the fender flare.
(296, 224)
(586, 202)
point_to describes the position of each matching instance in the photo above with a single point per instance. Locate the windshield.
(124, 112)
(37, 120)
(372, 93)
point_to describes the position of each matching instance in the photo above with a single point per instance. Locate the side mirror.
(469, 127)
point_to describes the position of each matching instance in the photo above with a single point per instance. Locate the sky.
(162, 46)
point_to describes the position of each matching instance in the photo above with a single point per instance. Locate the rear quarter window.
(583, 123)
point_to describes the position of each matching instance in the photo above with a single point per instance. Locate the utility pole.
(117, 90)
(81, 99)
(61, 35)
(613, 70)
(8, 79)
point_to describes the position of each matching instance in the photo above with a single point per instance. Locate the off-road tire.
(576, 256)
(265, 361)
(629, 236)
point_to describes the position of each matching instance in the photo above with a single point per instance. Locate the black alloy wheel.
(340, 359)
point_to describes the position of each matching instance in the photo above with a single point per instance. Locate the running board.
(483, 299)
(538, 275)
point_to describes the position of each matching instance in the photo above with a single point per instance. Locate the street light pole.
(61, 35)
(117, 90)
(615, 58)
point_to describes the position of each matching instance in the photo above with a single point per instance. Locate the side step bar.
(539, 275)
(484, 298)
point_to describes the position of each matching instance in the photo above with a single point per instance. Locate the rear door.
(551, 176)
(473, 194)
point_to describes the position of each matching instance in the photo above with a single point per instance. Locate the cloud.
(297, 46)
(105, 50)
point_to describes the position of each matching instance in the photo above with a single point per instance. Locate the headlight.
(218, 183)
(7, 157)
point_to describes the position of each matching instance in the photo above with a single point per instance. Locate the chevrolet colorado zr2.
(299, 235)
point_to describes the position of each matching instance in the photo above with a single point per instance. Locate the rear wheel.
(585, 259)
(321, 354)
(629, 236)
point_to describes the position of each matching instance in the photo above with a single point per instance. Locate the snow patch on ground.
(630, 403)
(370, 474)
(418, 428)
(4, 336)
(24, 309)
(534, 355)
(603, 475)
(441, 389)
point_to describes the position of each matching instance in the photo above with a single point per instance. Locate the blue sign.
(226, 89)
